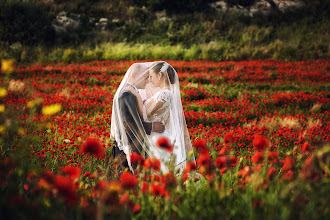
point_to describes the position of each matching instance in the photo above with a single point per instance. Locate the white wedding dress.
(131, 126)
(162, 100)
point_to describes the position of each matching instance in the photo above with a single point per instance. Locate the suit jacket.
(128, 107)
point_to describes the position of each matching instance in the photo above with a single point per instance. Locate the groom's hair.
(138, 68)
(170, 71)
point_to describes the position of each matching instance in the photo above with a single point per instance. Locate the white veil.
(130, 126)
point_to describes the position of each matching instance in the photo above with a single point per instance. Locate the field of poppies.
(260, 131)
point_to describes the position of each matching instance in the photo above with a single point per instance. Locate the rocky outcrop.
(259, 7)
(284, 5)
(65, 23)
(220, 5)
(102, 24)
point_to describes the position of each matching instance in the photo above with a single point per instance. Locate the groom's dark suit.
(128, 109)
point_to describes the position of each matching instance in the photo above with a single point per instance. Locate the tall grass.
(245, 49)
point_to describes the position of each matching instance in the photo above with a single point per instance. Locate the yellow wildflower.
(7, 66)
(30, 104)
(190, 153)
(2, 129)
(2, 108)
(115, 187)
(51, 109)
(3, 92)
(34, 103)
(47, 202)
(21, 131)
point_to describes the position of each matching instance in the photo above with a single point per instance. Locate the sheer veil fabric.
(148, 93)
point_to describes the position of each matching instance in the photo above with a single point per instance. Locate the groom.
(129, 112)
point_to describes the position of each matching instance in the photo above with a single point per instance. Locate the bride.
(158, 101)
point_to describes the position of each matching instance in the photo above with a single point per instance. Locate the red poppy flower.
(271, 173)
(164, 143)
(44, 184)
(229, 138)
(200, 146)
(125, 200)
(233, 160)
(306, 147)
(93, 175)
(260, 142)
(244, 172)
(223, 151)
(72, 172)
(136, 158)
(114, 187)
(257, 157)
(128, 180)
(204, 159)
(150, 163)
(66, 188)
(48, 175)
(288, 164)
(185, 177)
(169, 180)
(190, 166)
(31, 175)
(222, 162)
(93, 146)
(145, 187)
(205, 162)
(156, 165)
(147, 163)
(137, 208)
(157, 189)
(272, 157)
(101, 185)
(288, 175)
(155, 178)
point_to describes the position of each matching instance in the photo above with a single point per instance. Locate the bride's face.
(154, 78)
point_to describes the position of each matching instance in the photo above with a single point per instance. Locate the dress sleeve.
(161, 99)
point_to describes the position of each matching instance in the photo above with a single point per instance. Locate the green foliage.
(69, 55)
(24, 22)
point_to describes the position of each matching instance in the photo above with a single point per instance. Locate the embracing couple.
(146, 107)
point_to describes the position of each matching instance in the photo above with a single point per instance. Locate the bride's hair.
(170, 71)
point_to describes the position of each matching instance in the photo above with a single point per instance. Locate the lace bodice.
(157, 108)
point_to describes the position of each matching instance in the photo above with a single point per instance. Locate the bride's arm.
(156, 103)
(153, 106)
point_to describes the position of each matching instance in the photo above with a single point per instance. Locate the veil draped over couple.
(146, 107)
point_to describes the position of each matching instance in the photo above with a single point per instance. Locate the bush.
(25, 22)
(69, 55)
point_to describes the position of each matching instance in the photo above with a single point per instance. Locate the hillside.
(220, 30)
